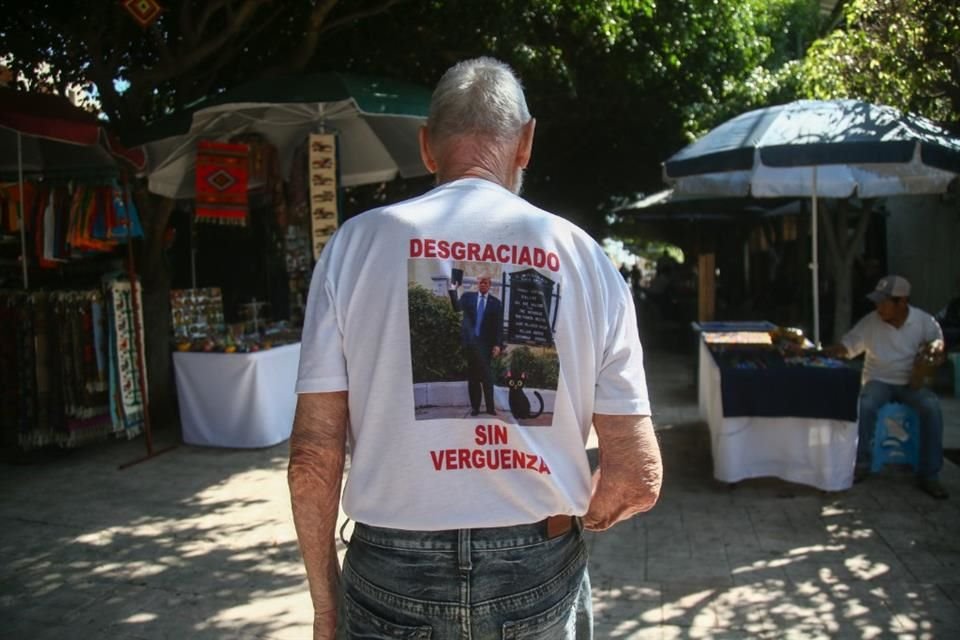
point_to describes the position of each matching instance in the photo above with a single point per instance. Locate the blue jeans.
(875, 394)
(474, 584)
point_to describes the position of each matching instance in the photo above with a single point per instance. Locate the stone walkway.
(199, 543)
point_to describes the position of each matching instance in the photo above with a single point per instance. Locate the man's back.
(492, 498)
(452, 472)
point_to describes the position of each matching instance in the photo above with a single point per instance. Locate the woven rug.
(222, 177)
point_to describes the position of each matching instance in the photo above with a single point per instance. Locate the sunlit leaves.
(905, 53)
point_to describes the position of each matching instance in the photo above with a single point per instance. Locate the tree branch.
(830, 233)
(228, 56)
(210, 8)
(210, 46)
(327, 27)
(311, 34)
(861, 232)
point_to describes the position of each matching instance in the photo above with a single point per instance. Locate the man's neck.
(900, 320)
(470, 157)
(471, 172)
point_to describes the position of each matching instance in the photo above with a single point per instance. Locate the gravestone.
(531, 294)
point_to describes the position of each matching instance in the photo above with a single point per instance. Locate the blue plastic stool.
(897, 437)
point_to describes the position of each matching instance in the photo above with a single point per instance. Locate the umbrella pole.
(815, 264)
(23, 218)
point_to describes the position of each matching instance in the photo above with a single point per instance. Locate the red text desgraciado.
(477, 252)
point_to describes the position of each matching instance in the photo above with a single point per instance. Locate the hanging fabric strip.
(324, 211)
(128, 401)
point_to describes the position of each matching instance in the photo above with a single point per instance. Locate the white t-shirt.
(890, 351)
(419, 460)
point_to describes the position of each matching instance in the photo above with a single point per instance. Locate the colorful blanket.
(222, 176)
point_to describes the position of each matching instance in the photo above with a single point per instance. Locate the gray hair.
(482, 96)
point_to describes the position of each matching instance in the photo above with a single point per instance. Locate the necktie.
(480, 308)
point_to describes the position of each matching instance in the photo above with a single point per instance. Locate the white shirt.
(411, 472)
(890, 351)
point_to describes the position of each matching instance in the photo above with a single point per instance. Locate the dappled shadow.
(195, 543)
(769, 558)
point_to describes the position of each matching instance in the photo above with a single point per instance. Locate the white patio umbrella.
(812, 148)
(376, 119)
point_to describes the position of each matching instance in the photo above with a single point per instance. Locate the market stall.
(237, 399)
(71, 344)
(775, 413)
(259, 172)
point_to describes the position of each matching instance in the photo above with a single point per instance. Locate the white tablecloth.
(815, 452)
(237, 399)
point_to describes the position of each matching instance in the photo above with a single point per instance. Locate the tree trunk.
(154, 273)
(842, 252)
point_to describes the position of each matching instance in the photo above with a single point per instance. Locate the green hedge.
(542, 369)
(434, 337)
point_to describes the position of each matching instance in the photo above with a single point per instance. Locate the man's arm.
(628, 478)
(836, 351)
(454, 297)
(317, 451)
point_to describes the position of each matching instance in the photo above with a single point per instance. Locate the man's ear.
(425, 153)
(525, 148)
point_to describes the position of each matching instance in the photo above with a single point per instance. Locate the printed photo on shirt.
(481, 341)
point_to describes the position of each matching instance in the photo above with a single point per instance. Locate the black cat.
(519, 403)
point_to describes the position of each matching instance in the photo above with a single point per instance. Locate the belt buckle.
(558, 526)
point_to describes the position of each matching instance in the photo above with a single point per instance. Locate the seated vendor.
(895, 338)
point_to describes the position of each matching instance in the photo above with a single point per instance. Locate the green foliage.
(904, 53)
(434, 337)
(615, 86)
(781, 32)
(541, 366)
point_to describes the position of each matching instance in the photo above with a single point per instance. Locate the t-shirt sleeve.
(932, 330)
(323, 367)
(855, 339)
(621, 381)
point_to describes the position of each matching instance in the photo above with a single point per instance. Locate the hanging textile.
(10, 327)
(67, 372)
(265, 173)
(323, 190)
(124, 214)
(298, 189)
(10, 200)
(222, 174)
(83, 386)
(127, 401)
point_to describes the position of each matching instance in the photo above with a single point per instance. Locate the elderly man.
(893, 338)
(464, 529)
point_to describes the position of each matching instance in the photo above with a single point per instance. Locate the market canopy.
(858, 149)
(46, 136)
(376, 119)
(814, 149)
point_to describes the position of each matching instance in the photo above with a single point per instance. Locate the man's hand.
(835, 351)
(630, 473)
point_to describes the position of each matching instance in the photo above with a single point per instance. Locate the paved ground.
(199, 543)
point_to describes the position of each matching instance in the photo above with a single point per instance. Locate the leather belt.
(558, 525)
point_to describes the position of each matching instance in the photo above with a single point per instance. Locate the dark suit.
(478, 349)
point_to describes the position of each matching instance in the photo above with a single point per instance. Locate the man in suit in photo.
(481, 334)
